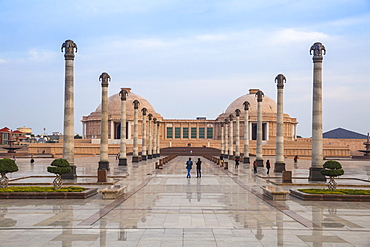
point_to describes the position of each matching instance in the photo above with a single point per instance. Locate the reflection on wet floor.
(164, 208)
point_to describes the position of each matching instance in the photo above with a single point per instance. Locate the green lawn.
(338, 191)
(41, 189)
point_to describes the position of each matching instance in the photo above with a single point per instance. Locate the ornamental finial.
(280, 79)
(69, 48)
(317, 49)
(104, 77)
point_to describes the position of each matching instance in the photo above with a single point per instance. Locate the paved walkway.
(164, 208)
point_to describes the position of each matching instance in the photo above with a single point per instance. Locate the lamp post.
(123, 150)
(68, 139)
(135, 154)
(237, 136)
(104, 163)
(259, 158)
(246, 132)
(143, 138)
(150, 117)
(279, 161)
(317, 146)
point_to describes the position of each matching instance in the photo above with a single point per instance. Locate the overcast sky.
(188, 58)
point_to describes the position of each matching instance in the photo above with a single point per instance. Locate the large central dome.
(269, 106)
(114, 105)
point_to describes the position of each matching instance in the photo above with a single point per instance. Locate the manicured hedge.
(338, 191)
(41, 189)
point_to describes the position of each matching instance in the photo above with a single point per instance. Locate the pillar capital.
(123, 93)
(231, 117)
(226, 121)
(246, 105)
(280, 79)
(318, 53)
(144, 111)
(155, 120)
(259, 96)
(104, 78)
(237, 112)
(150, 116)
(69, 48)
(136, 104)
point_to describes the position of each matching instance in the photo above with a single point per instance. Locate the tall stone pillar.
(135, 154)
(237, 134)
(279, 161)
(143, 138)
(231, 135)
(259, 157)
(68, 135)
(222, 139)
(123, 150)
(317, 145)
(226, 155)
(104, 163)
(158, 139)
(150, 117)
(246, 132)
(154, 138)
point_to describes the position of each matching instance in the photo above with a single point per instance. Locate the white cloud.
(40, 55)
(291, 36)
(2, 60)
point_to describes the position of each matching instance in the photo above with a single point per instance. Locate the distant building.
(340, 133)
(7, 134)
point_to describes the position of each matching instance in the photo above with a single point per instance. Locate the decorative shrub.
(59, 167)
(41, 189)
(332, 169)
(6, 166)
(339, 191)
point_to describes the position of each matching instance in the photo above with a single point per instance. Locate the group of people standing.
(189, 166)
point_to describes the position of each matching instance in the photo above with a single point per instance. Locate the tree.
(6, 166)
(332, 169)
(59, 167)
(77, 136)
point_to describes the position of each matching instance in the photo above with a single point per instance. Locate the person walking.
(199, 168)
(268, 166)
(236, 163)
(189, 166)
(255, 167)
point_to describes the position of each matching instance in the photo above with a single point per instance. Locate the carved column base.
(70, 175)
(231, 157)
(150, 156)
(143, 157)
(279, 167)
(158, 155)
(154, 156)
(135, 159)
(122, 162)
(246, 160)
(259, 163)
(103, 165)
(226, 156)
(315, 174)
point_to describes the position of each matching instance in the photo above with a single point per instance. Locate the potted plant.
(59, 167)
(332, 169)
(6, 165)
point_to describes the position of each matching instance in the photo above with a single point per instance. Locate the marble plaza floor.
(164, 208)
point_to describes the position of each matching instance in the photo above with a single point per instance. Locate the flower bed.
(31, 192)
(330, 196)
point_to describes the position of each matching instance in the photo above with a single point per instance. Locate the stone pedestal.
(279, 167)
(102, 176)
(143, 157)
(287, 176)
(135, 159)
(70, 175)
(103, 165)
(150, 156)
(122, 162)
(259, 163)
(315, 174)
(246, 160)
